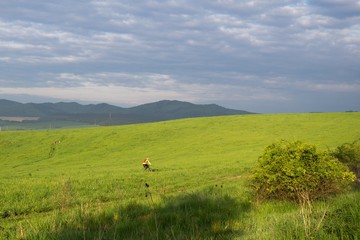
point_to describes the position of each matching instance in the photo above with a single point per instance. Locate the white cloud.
(11, 45)
(126, 88)
(254, 35)
(223, 50)
(332, 87)
(315, 21)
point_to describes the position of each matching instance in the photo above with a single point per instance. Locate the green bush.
(295, 170)
(349, 154)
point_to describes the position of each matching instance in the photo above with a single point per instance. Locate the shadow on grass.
(338, 218)
(201, 215)
(343, 221)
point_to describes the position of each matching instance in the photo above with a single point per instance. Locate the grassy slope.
(103, 165)
(35, 125)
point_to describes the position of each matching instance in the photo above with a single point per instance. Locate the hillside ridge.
(106, 114)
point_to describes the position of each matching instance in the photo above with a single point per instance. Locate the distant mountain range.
(105, 114)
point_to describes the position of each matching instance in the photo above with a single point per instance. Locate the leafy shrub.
(349, 154)
(296, 170)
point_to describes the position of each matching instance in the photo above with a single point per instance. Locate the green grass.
(92, 186)
(38, 125)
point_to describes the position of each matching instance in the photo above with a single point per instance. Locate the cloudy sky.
(266, 56)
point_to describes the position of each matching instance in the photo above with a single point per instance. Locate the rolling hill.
(89, 183)
(105, 114)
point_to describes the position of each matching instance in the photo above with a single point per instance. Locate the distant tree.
(298, 171)
(349, 154)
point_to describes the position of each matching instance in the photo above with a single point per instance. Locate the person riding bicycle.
(146, 164)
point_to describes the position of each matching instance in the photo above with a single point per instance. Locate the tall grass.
(200, 215)
(93, 185)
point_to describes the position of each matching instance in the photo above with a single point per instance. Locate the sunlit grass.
(93, 186)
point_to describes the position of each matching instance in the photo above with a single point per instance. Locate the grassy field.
(40, 125)
(88, 183)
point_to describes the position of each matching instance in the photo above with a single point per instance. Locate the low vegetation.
(298, 171)
(349, 154)
(89, 183)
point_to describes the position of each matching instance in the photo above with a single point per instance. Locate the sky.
(265, 56)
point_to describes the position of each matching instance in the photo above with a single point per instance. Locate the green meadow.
(38, 125)
(88, 183)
